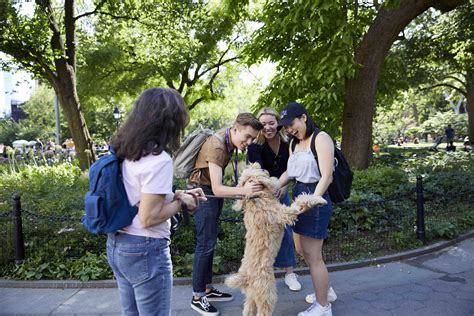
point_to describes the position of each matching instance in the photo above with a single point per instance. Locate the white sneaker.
(291, 279)
(317, 310)
(311, 298)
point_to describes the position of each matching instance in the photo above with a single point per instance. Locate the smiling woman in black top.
(270, 150)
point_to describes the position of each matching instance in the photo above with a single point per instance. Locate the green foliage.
(55, 189)
(185, 45)
(238, 95)
(437, 229)
(383, 180)
(183, 265)
(405, 115)
(448, 163)
(437, 123)
(183, 242)
(40, 121)
(312, 42)
(230, 245)
(91, 267)
(88, 267)
(406, 240)
(9, 131)
(25, 37)
(434, 57)
(58, 247)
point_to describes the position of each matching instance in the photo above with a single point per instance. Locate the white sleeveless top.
(303, 167)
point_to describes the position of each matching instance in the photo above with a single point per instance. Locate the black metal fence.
(357, 231)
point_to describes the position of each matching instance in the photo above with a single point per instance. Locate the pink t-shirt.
(151, 174)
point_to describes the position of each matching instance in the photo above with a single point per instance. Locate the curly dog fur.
(264, 218)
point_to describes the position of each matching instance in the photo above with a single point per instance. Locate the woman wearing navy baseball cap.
(312, 177)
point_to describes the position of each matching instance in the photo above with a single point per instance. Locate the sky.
(15, 85)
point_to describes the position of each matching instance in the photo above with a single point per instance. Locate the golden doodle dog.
(264, 219)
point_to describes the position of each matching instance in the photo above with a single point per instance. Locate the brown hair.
(156, 123)
(247, 119)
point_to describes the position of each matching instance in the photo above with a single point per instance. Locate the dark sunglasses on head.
(276, 162)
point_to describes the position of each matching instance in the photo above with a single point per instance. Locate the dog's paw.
(305, 201)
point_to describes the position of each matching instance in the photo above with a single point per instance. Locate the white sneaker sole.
(294, 289)
(200, 311)
(220, 299)
(310, 298)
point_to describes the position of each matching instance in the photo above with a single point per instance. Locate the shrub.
(58, 247)
(383, 180)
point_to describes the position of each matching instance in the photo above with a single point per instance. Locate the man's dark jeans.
(206, 219)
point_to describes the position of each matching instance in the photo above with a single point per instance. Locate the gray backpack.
(186, 156)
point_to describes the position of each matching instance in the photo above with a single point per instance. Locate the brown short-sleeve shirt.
(213, 150)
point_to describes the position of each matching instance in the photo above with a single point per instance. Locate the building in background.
(16, 87)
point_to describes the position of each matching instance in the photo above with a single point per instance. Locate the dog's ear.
(251, 170)
(270, 183)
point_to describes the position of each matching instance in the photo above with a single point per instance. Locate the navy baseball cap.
(291, 111)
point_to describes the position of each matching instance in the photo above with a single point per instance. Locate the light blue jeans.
(143, 269)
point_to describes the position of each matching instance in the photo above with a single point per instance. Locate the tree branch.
(70, 27)
(457, 79)
(196, 73)
(56, 41)
(196, 102)
(376, 4)
(184, 79)
(170, 84)
(443, 84)
(212, 80)
(216, 65)
(97, 8)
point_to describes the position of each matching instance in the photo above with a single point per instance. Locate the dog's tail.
(236, 281)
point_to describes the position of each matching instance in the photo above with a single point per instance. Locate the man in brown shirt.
(208, 173)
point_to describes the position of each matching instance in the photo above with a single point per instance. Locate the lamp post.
(117, 116)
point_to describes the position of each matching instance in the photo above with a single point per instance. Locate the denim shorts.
(315, 221)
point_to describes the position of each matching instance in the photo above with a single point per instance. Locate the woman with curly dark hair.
(139, 253)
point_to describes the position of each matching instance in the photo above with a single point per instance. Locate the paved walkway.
(440, 283)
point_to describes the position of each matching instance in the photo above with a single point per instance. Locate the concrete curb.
(68, 284)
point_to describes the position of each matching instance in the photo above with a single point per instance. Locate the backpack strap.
(313, 144)
(219, 137)
(313, 147)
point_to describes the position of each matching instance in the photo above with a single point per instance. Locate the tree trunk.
(359, 102)
(69, 101)
(470, 104)
(64, 80)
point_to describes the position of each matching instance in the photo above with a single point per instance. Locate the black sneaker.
(203, 307)
(217, 296)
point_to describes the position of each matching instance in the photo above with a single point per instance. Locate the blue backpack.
(107, 208)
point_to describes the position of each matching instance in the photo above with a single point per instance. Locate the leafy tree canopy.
(179, 44)
(313, 44)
